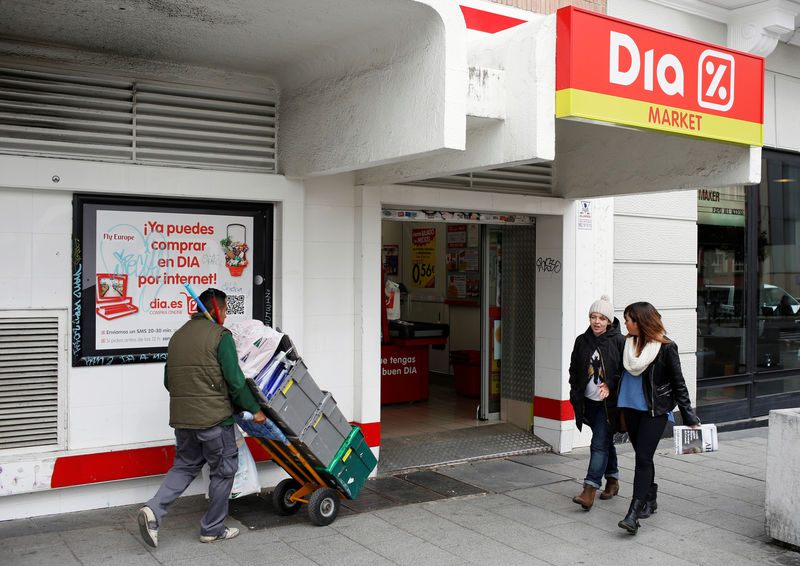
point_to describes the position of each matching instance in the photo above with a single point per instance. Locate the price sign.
(423, 257)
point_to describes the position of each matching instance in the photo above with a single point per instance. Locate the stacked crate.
(311, 420)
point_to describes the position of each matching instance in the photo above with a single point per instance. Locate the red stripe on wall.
(371, 432)
(110, 466)
(553, 409)
(489, 22)
(143, 462)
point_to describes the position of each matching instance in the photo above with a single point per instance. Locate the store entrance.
(442, 354)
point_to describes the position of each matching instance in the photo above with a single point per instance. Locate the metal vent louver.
(141, 122)
(532, 178)
(28, 382)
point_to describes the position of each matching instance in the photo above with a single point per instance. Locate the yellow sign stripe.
(593, 106)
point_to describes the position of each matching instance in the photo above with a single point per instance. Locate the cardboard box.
(690, 440)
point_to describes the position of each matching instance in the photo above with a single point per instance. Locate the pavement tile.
(519, 536)
(630, 552)
(730, 522)
(754, 549)
(500, 475)
(675, 521)
(685, 546)
(39, 557)
(426, 553)
(18, 528)
(300, 531)
(464, 513)
(108, 544)
(336, 549)
(400, 491)
(731, 505)
(586, 536)
(441, 484)
(365, 527)
(562, 554)
(256, 548)
(30, 542)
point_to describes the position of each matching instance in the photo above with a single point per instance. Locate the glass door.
(491, 321)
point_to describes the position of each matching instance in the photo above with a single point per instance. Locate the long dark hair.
(648, 320)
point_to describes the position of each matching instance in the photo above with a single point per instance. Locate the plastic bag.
(245, 481)
(391, 294)
(255, 345)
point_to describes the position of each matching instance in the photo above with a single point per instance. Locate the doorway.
(452, 281)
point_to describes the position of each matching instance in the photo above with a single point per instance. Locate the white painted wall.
(645, 269)
(588, 274)
(329, 286)
(379, 96)
(526, 56)
(38, 248)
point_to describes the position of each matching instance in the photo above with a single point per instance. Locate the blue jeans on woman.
(602, 454)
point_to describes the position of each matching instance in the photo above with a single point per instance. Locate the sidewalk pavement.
(515, 510)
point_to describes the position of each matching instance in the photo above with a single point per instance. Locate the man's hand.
(602, 390)
(260, 418)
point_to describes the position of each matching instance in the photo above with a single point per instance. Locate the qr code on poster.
(235, 304)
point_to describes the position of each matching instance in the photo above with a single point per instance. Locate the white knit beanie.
(603, 306)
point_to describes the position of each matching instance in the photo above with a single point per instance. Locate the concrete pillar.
(782, 503)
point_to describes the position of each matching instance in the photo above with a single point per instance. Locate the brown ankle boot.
(612, 488)
(586, 499)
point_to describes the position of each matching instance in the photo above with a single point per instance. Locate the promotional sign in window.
(423, 257)
(615, 71)
(137, 265)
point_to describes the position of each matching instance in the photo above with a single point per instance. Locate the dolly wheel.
(323, 506)
(281, 494)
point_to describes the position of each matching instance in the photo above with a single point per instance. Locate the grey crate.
(324, 433)
(295, 401)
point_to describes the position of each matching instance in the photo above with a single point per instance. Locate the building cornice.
(756, 28)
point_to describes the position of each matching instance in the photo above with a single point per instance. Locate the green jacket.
(203, 377)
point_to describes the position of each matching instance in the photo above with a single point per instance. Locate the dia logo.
(715, 72)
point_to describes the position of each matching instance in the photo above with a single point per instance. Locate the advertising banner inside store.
(137, 262)
(615, 71)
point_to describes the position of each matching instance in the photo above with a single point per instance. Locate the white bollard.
(782, 505)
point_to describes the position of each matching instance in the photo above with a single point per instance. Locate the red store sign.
(615, 71)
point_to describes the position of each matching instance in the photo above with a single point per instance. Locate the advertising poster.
(423, 257)
(133, 266)
(457, 236)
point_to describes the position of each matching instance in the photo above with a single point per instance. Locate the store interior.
(431, 342)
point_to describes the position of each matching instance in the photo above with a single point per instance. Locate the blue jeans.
(603, 455)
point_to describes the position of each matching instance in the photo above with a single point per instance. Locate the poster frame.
(84, 260)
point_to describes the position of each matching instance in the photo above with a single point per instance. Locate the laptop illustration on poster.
(112, 296)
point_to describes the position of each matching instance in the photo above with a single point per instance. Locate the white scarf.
(637, 364)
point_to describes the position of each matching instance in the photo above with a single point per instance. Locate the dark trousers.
(217, 446)
(645, 432)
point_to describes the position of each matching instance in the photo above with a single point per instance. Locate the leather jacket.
(609, 345)
(664, 386)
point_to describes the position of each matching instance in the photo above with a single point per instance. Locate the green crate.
(352, 464)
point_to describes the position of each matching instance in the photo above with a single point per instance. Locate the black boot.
(650, 504)
(631, 521)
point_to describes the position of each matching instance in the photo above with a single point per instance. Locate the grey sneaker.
(148, 525)
(229, 532)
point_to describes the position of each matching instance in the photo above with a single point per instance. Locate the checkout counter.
(404, 359)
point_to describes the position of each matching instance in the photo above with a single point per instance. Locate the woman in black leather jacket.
(652, 384)
(594, 371)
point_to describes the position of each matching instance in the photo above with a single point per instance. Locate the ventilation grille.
(530, 179)
(28, 382)
(139, 122)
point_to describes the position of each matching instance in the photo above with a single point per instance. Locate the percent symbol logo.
(715, 78)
